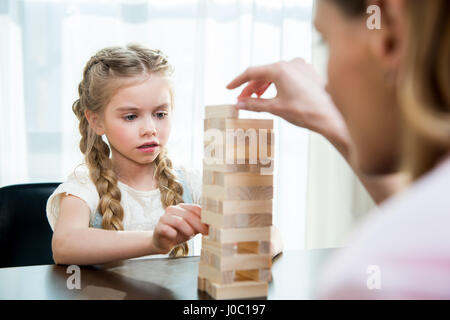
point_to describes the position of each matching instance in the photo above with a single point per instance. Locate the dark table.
(294, 276)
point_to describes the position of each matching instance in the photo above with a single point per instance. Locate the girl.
(130, 204)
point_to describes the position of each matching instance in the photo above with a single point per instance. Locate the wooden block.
(221, 111)
(221, 249)
(206, 271)
(229, 249)
(261, 247)
(242, 179)
(237, 156)
(248, 247)
(237, 179)
(245, 124)
(246, 220)
(240, 235)
(263, 169)
(201, 283)
(244, 261)
(240, 138)
(211, 273)
(217, 192)
(237, 206)
(238, 152)
(237, 290)
(257, 274)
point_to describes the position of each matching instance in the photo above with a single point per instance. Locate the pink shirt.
(401, 250)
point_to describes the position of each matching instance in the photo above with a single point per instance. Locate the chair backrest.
(25, 234)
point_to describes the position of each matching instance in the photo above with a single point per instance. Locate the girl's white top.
(401, 250)
(142, 209)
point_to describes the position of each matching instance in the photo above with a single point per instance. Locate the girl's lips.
(148, 149)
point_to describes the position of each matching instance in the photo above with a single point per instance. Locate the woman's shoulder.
(397, 237)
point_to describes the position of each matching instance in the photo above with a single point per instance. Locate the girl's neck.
(136, 176)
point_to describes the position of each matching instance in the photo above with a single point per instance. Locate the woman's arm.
(302, 100)
(74, 242)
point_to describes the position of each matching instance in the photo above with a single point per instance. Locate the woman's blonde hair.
(107, 71)
(425, 88)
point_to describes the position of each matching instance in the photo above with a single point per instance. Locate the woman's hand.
(301, 98)
(179, 224)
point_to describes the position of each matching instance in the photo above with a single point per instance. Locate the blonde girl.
(127, 200)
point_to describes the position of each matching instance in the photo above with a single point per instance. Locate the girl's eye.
(130, 117)
(161, 115)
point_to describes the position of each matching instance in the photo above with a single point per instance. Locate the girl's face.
(361, 84)
(137, 120)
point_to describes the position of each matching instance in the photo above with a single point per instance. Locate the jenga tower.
(237, 204)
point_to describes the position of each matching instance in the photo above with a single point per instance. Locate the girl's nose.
(148, 127)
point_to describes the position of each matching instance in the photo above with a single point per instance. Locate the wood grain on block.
(248, 247)
(228, 249)
(237, 290)
(201, 284)
(245, 124)
(253, 247)
(248, 168)
(237, 206)
(245, 220)
(238, 156)
(237, 179)
(244, 261)
(264, 274)
(221, 111)
(223, 249)
(237, 193)
(252, 145)
(215, 274)
(240, 235)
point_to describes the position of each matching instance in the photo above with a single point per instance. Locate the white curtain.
(45, 44)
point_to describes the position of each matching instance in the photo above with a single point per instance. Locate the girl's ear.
(94, 122)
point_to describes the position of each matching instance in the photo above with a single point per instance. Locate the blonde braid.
(170, 188)
(171, 193)
(96, 153)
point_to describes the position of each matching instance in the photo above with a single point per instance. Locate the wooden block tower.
(237, 195)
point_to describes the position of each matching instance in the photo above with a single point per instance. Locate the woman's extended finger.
(258, 87)
(261, 73)
(257, 104)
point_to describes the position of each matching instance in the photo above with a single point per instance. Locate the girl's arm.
(74, 242)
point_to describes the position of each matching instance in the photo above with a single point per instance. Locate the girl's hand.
(301, 97)
(179, 224)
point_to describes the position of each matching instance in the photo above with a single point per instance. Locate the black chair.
(25, 234)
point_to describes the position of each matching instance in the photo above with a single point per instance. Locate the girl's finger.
(194, 208)
(168, 232)
(179, 224)
(191, 217)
